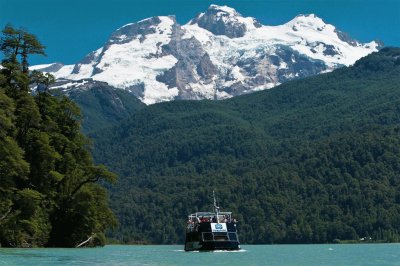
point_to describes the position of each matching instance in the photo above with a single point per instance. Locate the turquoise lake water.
(364, 254)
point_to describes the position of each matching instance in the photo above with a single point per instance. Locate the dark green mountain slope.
(103, 106)
(310, 161)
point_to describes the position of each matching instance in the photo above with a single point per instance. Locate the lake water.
(364, 254)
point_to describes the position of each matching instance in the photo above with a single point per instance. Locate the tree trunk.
(84, 242)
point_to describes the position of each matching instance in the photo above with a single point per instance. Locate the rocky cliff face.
(219, 54)
(223, 20)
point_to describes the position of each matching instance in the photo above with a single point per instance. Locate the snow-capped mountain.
(216, 55)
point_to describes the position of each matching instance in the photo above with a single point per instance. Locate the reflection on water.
(229, 251)
(211, 251)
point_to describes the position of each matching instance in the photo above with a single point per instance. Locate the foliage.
(48, 181)
(311, 161)
(103, 106)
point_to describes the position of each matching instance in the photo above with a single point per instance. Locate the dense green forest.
(49, 194)
(311, 161)
(103, 106)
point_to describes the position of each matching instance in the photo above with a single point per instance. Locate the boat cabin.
(211, 226)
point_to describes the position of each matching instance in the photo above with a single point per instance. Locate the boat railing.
(198, 218)
(210, 217)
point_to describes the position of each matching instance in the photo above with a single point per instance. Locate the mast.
(216, 207)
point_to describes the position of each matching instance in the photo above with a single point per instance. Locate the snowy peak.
(132, 59)
(143, 32)
(217, 55)
(54, 67)
(224, 20)
(141, 29)
(310, 22)
(224, 9)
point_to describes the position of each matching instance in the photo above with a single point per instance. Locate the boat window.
(220, 237)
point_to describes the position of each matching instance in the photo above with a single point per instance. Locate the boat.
(208, 231)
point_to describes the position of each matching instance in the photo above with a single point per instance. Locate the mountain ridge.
(218, 54)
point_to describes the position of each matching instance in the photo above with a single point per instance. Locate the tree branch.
(95, 173)
(89, 180)
(6, 214)
(84, 242)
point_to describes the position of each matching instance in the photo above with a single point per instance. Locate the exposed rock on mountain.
(218, 54)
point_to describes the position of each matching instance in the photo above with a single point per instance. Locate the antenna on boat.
(216, 206)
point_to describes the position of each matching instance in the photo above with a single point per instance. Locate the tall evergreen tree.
(50, 194)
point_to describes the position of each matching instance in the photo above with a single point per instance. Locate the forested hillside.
(49, 194)
(103, 106)
(311, 161)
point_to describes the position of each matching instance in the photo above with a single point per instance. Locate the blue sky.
(72, 28)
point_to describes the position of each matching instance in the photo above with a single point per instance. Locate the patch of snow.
(282, 65)
(63, 72)
(236, 74)
(38, 67)
(249, 22)
(265, 87)
(156, 92)
(226, 9)
(223, 95)
(85, 71)
(122, 37)
(66, 85)
(129, 24)
(206, 91)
